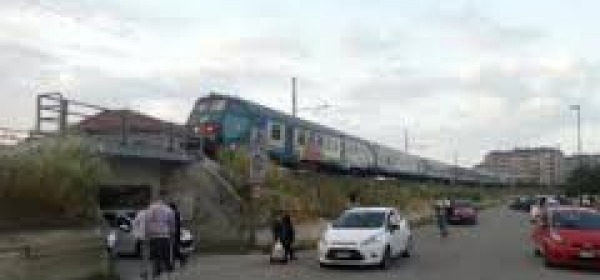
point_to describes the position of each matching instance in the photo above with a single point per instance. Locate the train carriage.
(226, 122)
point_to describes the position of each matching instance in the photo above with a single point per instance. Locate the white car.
(366, 236)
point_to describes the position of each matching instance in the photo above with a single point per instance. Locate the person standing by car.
(538, 209)
(138, 229)
(441, 218)
(176, 236)
(288, 236)
(159, 227)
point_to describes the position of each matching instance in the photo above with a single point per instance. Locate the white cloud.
(471, 83)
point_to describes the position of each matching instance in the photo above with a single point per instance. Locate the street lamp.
(578, 109)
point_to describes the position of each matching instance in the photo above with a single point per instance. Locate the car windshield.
(576, 220)
(356, 219)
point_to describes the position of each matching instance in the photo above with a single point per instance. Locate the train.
(227, 122)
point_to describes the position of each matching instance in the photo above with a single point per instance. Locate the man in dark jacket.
(288, 236)
(176, 236)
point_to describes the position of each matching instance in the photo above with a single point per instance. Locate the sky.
(462, 77)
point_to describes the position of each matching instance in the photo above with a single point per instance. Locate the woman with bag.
(277, 253)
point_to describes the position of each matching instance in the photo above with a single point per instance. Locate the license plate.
(343, 255)
(587, 255)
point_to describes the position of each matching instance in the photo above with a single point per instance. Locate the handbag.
(278, 253)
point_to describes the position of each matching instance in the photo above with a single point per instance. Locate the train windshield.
(211, 105)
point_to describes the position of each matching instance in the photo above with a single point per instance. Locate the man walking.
(139, 232)
(159, 227)
(441, 218)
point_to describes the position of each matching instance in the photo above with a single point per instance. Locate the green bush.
(309, 195)
(53, 183)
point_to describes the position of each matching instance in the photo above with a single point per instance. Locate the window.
(218, 105)
(276, 132)
(301, 138)
(202, 106)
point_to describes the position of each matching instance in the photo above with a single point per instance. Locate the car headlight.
(111, 239)
(185, 235)
(372, 240)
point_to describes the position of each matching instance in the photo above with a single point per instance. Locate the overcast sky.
(469, 76)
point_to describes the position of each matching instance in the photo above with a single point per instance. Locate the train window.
(202, 107)
(301, 138)
(218, 105)
(276, 132)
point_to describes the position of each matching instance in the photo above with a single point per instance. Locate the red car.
(568, 236)
(462, 212)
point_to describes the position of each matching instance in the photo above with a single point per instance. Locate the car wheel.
(548, 263)
(408, 249)
(386, 259)
(537, 252)
(323, 265)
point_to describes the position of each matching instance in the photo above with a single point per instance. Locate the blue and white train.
(222, 121)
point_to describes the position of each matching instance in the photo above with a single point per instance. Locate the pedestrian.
(440, 216)
(538, 209)
(159, 227)
(276, 227)
(176, 236)
(138, 229)
(288, 236)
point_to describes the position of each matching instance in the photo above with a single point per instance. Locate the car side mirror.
(393, 227)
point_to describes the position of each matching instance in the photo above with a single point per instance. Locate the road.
(498, 248)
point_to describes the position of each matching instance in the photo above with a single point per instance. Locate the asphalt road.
(498, 248)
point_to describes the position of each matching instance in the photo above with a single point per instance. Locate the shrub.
(54, 183)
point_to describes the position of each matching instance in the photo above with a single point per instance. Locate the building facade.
(542, 166)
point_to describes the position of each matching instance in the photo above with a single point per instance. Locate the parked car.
(462, 212)
(522, 203)
(122, 242)
(568, 235)
(366, 236)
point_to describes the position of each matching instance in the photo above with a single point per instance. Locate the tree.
(583, 180)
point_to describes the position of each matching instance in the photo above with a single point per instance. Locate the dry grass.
(53, 185)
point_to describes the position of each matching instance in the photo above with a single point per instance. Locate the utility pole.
(406, 139)
(577, 108)
(294, 93)
(455, 160)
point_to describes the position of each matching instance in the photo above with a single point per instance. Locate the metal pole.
(406, 139)
(579, 131)
(455, 159)
(579, 149)
(294, 93)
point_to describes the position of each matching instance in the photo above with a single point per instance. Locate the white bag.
(278, 253)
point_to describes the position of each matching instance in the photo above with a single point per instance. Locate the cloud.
(460, 81)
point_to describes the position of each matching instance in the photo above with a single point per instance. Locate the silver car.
(122, 242)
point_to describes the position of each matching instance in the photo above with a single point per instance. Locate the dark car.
(462, 212)
(522, 203)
